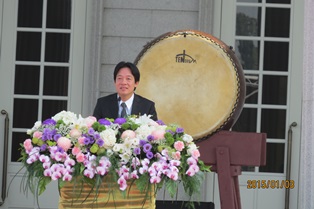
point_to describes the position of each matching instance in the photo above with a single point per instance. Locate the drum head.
(195, 81)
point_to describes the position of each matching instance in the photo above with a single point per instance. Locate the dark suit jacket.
(108, 107)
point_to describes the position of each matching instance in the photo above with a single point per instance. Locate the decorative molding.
(93, 54)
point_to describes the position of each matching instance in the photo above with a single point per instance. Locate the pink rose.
(81, 140)
(37, 134)
(28, 145)
(128, 134)
(90, 120)
(80, 157)
(76, 150)
(179, 145)
(158, 134)
(64, 142)
(196, 154)
(75, 133)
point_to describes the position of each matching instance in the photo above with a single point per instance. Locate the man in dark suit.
(125, 102)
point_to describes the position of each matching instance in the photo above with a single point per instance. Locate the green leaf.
(192, 184)
(203, 167)
(143, 182)
(82, 168)
(168, 135)
(101, 128)
(43, 182)
(98, 127)
(61, 183)
(190, 205)
(172, 187)
(95, 125)
(134, 126)
(51, 143)
(170, 141)
(125, 126)
(59, 122)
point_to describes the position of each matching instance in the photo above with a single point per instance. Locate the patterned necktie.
(123, 112)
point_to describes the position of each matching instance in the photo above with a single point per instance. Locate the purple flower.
(137, 150)
(160, 122)
(91, 140)
(142, 142)
(100, 142)
(48, 134)
(97, 136)
(49, 122)
(150, 138)
(147, 147)
(91, 131)
(179, 130)
(169, 131)
(60, 149)
(149, 155)
(104, 121)
(43, 147)
(120, 121)
(56, 137)
(86, 140)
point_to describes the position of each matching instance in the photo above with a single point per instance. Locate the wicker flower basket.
(108, 196)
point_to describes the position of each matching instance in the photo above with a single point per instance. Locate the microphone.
(119, 99)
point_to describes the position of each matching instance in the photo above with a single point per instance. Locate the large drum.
(195, 80)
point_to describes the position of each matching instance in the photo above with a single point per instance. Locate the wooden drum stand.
(226, 152)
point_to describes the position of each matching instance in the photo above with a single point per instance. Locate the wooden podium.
(226, 152)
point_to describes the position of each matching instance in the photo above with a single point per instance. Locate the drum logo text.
(184, 58)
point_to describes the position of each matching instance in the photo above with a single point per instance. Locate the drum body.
(195, 81)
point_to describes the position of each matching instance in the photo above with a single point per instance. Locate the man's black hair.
(134, 70)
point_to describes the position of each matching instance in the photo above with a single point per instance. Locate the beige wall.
(127, 27)
(117, 30)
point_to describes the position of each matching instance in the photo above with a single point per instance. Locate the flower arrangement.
(137, 149)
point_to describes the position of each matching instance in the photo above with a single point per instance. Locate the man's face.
(125, 83)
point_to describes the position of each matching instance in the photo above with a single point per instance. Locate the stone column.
(92, 55)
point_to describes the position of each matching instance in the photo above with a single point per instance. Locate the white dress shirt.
(128, 103)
